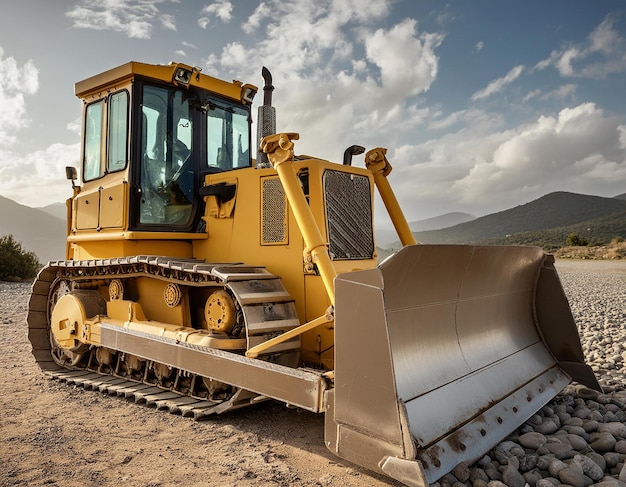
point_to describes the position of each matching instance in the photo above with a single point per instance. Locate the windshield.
(185, 133)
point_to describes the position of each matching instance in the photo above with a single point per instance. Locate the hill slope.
(38, 231)
(385, 236)
(553, 210)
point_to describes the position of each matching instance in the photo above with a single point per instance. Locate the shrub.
(575, 240)
(15, 262)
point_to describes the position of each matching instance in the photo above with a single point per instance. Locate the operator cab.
(150, 134)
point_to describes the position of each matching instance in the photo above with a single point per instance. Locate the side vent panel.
(349, 215)
(274, 229)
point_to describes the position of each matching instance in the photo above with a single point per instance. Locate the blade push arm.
(376, 162)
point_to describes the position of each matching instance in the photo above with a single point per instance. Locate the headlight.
(182, 76)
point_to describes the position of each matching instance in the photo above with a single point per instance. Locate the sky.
(483, 105)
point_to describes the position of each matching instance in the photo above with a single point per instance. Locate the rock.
(577, 430)
(622, 474)
(599, 459)
(572, 476)
(532, 478)
(532, 440)
(581, 412)
(595, 416)
(620, 446)
(590, 468)
(496, 483)
(502, 456)
(507, 445)
(461, 472)
(484, 460)
(478, 474)
(574, 422)
(511, 476)
(610, 482)
(492, 472)
(578, 443)
(611, 458)
(602, 442)
(527, 462)
(618, 430)
(479, 483)
(547, 427)
(591, 425)
(548, 482)
(555, 467)
(561, 451)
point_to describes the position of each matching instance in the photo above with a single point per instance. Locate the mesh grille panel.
(349, 214)
(274, 208)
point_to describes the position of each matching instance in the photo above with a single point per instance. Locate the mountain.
(38, 231)
(560, 209)
(443, 221)
(57, 209)
(386, 236)
(620, 196)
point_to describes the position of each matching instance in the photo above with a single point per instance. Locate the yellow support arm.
(279, 150)
(377, 163)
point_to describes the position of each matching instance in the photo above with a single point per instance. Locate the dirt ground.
(53, 434)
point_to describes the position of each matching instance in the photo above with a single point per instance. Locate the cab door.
(102, 202)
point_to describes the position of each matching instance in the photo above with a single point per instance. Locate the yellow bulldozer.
(201, 279)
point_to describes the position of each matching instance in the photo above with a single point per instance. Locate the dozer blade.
(442, 351)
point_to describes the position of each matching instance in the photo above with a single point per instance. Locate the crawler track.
(265, 306)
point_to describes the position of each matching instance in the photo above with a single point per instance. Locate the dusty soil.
(54, 434)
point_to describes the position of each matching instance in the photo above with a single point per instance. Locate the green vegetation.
(549, 219)
(15, 262)
(599, 231)
(575, 240)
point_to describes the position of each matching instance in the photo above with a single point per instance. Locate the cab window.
(228, 137)
(167, 174)
(92, 163)
(118, 131)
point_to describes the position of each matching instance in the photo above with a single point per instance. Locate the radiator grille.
(274, 208)
(349, 215)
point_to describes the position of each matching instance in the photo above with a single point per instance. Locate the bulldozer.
(200, 279)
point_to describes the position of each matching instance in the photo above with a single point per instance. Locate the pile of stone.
(579, 438)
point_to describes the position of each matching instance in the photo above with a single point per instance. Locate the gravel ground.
(53, 434)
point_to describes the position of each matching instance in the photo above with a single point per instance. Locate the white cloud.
(134, 18)
(530, 95)
(15, 83)
(338, 76)
(483, 168)
(561, 92)
(254, 21)
(42, 172)
(603, 53)
(222, 9)
(577, 150)
(407, 62)
(498, 84)
(479, 46)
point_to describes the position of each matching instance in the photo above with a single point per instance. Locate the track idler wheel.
(67, 322)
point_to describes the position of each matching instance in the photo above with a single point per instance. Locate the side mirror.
(71, 174)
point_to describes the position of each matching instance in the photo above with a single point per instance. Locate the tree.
(15, 262)
(575, 240)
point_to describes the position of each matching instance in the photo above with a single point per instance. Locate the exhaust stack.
(266, 119)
